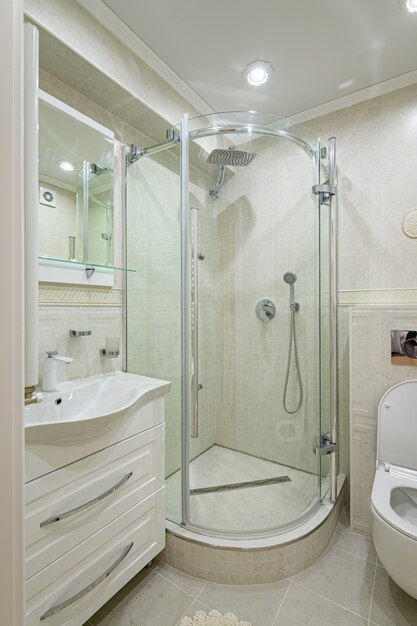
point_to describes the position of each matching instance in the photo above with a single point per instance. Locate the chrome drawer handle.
(86, 505)
(90, 587)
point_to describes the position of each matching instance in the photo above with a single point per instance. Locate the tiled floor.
(346, 587)
(245, 510)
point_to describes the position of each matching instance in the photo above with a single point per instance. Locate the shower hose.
(293, 340)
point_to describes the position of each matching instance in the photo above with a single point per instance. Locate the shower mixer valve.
(265, 310)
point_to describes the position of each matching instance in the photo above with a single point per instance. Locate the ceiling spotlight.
(258, 72)
(412, 6)
(67, 166)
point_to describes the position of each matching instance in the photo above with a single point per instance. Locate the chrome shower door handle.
(332, 162)
(194, 322)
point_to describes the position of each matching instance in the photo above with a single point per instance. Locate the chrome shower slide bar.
(194, 322)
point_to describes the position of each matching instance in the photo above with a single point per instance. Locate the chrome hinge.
(325, 191)
(325, 446)
(134, 153)
(172, 135)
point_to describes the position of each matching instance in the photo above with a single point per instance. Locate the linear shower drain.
(244, 485)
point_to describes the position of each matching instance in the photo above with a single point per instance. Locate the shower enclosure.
(230, 225)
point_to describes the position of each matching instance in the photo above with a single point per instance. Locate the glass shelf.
(85, 264)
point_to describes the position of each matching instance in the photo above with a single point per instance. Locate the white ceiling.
(315, 46)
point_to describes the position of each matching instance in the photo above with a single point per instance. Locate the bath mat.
(214, 618)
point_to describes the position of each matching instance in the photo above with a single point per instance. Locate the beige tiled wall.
(95, 81)
(154, 292)
(377, 164)
(56, 224)
(343, 391)
(55, 323)
(265, 222)
(109, 56)
(100, 310)
(372, 373)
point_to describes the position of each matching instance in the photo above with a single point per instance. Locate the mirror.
(76, 161)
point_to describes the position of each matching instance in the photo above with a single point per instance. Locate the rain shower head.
(231, 157)
(290, 278)
(224, 158)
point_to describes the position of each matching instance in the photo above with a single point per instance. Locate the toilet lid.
(397, 426)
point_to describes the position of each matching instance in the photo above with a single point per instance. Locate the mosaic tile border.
(377, 296)
(251, 566)
(69, 295)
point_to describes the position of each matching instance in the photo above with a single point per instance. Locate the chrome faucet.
(49, 379)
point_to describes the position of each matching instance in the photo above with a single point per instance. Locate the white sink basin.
(101, 396)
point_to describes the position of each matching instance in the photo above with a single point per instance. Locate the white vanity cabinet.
(95, 522)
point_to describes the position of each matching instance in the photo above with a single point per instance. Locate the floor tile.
(190, 585)
(257, 604)
(343, 578)
(305, 608)
(391, 606)
(191, 611)
(120, 595)
(153, 602)
(352, 542)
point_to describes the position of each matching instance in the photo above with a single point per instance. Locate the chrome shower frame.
(333, 312)
(186, 341)
(136, 152)
(327, 195)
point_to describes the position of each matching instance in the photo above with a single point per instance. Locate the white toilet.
(394, 492)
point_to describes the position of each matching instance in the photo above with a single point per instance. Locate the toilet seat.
(394, 492)
(384, 484)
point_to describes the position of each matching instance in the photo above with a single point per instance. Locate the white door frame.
(11, 315)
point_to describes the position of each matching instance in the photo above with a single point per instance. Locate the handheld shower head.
(290, 278)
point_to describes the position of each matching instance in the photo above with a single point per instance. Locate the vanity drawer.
(119, 550)
(65, 507)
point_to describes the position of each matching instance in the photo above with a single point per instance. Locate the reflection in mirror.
(76, 159)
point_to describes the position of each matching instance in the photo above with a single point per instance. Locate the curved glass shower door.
(153, 308)
(231, 302)
(255, 296)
